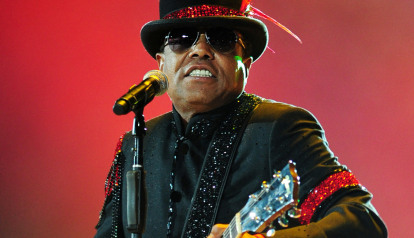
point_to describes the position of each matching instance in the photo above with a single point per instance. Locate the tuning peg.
(254, 217)
(269, 209)
(271, 232)
(283, 221)
(281, 199)
(294, 212)
(266, 187)
(277, 175)
(254, 197)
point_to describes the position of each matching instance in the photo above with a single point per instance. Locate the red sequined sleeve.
(323, 191)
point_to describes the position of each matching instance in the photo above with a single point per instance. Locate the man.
(218, 144)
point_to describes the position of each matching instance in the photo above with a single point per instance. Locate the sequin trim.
(172, 179)
(324, 190)
(113, 185)
(203, 11)
(216, 164)
(113, 175)
(203, 128)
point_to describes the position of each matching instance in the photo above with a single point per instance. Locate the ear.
(247, 64)
(160, 60)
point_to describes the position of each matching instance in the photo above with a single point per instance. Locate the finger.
(217, 230)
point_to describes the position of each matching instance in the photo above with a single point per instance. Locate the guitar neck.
(234, 228)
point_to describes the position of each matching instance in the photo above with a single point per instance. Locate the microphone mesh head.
(161, 78)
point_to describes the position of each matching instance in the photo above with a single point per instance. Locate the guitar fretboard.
(231, 231)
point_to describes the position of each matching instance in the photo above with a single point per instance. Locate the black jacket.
(275, 134)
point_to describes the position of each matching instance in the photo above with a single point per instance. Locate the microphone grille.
(161, 78)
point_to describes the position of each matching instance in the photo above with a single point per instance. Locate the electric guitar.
(264, 206)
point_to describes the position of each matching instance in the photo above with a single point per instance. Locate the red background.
(63, 64)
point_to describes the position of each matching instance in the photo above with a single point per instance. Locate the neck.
(188, 111)
(185, 115)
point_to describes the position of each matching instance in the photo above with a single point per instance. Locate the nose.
(201, 49)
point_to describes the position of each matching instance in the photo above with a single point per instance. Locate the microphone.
(155, 83)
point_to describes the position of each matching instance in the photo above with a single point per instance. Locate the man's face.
(202, 79)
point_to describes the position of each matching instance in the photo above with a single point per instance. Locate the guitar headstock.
(275, 198)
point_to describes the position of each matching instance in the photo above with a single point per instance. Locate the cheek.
(166, 68)
(170, 72)
(172, 66)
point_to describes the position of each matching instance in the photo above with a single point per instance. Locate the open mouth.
(200, 73)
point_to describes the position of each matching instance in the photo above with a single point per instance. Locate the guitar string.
(249, 205)
(231, 225)
(259, 196)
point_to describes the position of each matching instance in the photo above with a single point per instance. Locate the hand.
(218, 230)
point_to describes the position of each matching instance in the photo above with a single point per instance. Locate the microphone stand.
(136, 190)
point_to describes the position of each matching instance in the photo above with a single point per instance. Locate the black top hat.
(233, 14)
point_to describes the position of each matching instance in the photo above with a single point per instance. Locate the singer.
(205, 157)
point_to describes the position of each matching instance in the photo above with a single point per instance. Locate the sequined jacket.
(333, 202)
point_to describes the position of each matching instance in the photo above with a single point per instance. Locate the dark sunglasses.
(223, 40)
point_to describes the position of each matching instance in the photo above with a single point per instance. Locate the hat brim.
(255, 31)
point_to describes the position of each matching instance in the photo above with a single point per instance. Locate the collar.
(201, 125)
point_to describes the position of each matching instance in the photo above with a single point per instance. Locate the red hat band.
(204, 11)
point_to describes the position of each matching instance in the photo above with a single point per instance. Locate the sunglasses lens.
(222, 39)
(181, 39)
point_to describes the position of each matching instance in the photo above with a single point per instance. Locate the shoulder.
(159, 121)
(270, 110)
(156, 123)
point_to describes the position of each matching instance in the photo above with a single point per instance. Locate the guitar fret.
(231, 231)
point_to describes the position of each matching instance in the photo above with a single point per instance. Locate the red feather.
(244, 5)
(259, 13)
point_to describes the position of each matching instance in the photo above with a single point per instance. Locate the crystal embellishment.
(323, 191)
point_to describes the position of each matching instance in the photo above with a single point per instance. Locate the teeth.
(201, 73)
